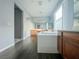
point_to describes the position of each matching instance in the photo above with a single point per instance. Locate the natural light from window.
(58, 14)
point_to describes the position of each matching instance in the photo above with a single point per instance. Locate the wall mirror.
(76, 14)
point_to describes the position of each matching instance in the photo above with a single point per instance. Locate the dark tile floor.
(27, 49)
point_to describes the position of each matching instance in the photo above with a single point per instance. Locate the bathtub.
(47, 42)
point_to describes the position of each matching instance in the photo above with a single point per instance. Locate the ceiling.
(39, 8)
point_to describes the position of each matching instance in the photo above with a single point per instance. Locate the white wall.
(58, 24)
(68, 14)
(28, 26)
(58, 18)
(7, 23)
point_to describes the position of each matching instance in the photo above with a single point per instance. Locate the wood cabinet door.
(70, 46)
(60, 42)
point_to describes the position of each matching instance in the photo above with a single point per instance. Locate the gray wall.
(18, 22)
(27, 24)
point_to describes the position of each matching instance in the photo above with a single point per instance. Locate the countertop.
(76, 31)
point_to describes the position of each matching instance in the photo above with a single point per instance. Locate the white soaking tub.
(47, 42)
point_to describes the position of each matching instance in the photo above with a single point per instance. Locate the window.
(58, 22)
(58, 14)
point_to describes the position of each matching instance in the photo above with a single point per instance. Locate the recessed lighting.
(49, 0)
(32, 0)
(40, 2)
(40, 12)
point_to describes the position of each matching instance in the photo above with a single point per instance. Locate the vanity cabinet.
(70, 44)
(60, 42)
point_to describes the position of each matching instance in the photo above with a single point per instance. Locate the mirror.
(76, 14)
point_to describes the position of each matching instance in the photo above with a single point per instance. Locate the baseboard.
(1, 50)
(26, 36)
(18, 41)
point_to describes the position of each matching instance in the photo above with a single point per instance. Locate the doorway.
(18, 24)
